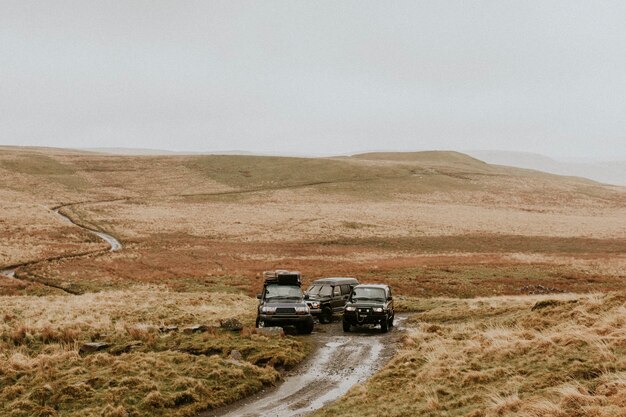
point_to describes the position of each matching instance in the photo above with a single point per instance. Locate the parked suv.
(328, 296)
(282, 302)
(369, 304)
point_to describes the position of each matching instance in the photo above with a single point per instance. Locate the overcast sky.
(317, 77)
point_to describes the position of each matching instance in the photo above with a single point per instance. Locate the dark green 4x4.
(369, 304)
(328, 296)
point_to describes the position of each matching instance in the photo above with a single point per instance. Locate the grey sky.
(318, 77)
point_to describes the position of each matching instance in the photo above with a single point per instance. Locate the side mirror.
(306, 296)
(259, 296)
(389, 299)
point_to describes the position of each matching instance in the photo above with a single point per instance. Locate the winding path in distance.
(114, 244)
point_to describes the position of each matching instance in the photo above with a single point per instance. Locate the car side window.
(345, 290)
(336, 291)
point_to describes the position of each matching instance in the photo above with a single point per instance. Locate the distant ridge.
(156, 152)
(422, 156)
(608, 172)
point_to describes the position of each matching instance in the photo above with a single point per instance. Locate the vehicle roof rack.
(282, 277)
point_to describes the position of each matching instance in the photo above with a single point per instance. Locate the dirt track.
(114, 244)
(339, 361)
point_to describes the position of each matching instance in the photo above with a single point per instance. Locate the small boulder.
(197, 328)
(270, 331)
(92, 347)
(168, 329)
(231, 324)
(236, 355)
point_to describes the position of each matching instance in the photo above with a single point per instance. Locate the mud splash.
(341, 361)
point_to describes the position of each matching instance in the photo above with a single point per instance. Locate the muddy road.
(339, 361)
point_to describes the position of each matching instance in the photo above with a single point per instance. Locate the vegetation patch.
(152, 361)
(476, 280)
(499, 356)
(488, 243)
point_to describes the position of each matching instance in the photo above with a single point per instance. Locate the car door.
(346, 289)
(390, 302)
(336, 301)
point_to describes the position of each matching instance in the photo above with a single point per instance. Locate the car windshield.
(317, 289)
(368, 293)
(282, 291)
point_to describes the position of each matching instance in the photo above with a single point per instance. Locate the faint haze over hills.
(317, 77)
(609, 172)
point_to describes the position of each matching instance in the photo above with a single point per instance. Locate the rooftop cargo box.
(282, 277)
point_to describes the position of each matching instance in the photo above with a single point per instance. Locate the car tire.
(259, 323)
(326, 316)
(384, 326)
(391, 320)
(346, 327)
(306, 328)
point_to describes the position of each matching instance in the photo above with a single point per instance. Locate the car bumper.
(292, 320)
(373, 318)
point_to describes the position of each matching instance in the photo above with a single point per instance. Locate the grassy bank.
(553, 356)
(146, 369)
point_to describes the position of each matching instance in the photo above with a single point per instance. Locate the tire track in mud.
(339, 361)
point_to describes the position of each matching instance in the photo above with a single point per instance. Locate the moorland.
(515, 279)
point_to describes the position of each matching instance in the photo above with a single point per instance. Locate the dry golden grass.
(382, 205)
(504, 356)
(145, 371)
(203, 227)
(30, 232)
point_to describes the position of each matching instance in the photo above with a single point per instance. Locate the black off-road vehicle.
(282, 303)
(369, 304)
(328, 296)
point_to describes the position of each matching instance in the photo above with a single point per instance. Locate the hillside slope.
(186, 217)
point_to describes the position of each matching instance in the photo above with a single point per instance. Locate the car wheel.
(260, 323)
(326, 315)
(306, 328)
(384, 326)
(391, 320)
(346, 327)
